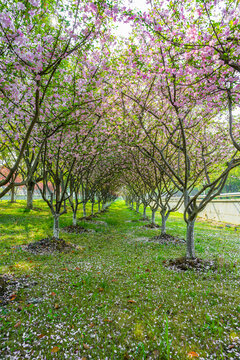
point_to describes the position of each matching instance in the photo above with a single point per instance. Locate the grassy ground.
(116, 300)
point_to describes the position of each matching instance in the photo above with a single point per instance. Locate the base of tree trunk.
(87, 218)
(76, 229)
(29, 205)
(167, 239)
(185, 264)
(151, 226)
(49, 246)
(144, 219)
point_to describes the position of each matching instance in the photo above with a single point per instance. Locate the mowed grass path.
(116, 299)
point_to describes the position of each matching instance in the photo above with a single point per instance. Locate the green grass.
(116, 300)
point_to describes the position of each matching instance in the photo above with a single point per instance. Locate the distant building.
(22, 190)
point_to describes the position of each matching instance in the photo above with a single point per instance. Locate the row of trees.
(53, 135)
(184, 65)
(90, 113)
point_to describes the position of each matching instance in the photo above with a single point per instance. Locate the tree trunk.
(153, 216)
(163, 226)
(99, 206)
(92, 208)
(74, 219)
(190, 239)
(30, 191)
(137, 207)
(144, 211)
(56, 226)
(164, 217)
(13, 200)
(84, 209)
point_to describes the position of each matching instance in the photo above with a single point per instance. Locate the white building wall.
(223, 210)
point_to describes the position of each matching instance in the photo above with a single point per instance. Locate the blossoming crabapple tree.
(37, 39)
(161, 83)
(208, 32)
